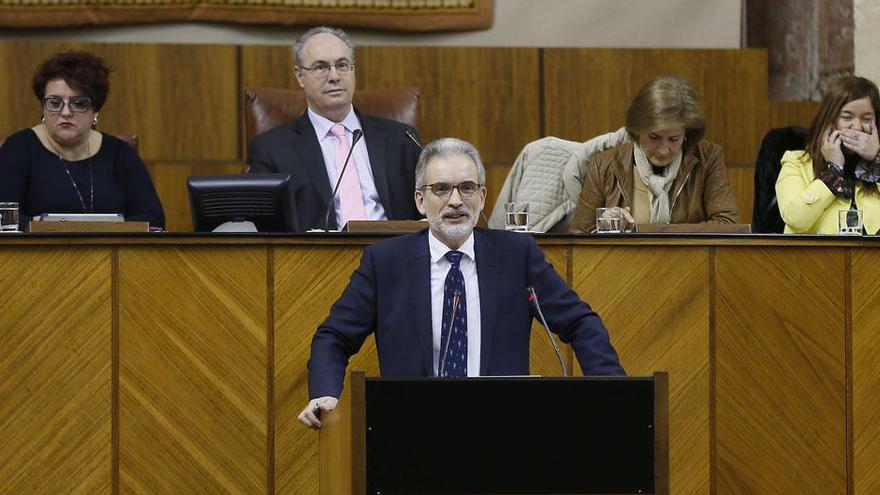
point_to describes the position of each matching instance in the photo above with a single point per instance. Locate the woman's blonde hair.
(667, 101)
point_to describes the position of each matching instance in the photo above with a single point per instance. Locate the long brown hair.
(841, 92)
(667, 101)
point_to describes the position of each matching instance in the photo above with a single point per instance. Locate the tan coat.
(699, 194)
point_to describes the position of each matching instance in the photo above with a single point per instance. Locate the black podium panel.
(510, 436)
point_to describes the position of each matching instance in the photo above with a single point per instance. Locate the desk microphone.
(412, 137)
(355, 137)
(456, 297)
(533, 297)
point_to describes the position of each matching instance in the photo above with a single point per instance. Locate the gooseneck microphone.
(533, 297)
(412, 137)
(456, 298)
(355, 137)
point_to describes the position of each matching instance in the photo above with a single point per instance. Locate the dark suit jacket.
(390, 292)
(293, 148)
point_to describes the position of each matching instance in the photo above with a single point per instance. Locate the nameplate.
(68, 227)
(694, 228)
(384, 226)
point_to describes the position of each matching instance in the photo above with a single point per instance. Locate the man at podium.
(452, 300)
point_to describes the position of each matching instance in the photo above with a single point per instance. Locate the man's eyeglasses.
(77, 104)
(321, 69)
(444, 189)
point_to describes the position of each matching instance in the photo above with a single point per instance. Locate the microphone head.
(412, 137)
(356, 135)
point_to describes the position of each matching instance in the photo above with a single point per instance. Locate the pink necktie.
(350, 199)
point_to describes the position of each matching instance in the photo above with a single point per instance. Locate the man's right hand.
(310, 416)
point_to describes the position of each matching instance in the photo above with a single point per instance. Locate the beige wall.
(867, 38)
(545, 23)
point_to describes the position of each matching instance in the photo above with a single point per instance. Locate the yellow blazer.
(807, 205)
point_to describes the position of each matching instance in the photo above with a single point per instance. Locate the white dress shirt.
(372, 205)
(439, 268)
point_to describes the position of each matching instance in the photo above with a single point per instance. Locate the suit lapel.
(419, 273)
(488, 277)
(306, 145)
(376, 148)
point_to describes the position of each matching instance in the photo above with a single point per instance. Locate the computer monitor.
(230, 201)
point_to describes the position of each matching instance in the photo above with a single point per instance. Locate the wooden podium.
(503, 435)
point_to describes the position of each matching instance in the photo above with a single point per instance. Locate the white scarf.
(659, 185)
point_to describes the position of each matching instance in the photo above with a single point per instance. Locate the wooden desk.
(176, 363)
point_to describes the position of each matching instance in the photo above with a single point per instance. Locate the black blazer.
(293, 148)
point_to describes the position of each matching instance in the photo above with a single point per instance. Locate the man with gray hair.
(450, 300)
(313, 148)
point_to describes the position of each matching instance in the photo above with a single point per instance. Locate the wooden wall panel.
(742, 182)
(489, 96)
(780, 353)
(307, 283)
(865, 372)
(18, 62)
(170, 181)
(655, 304)
(55, 370)
(181, 99)
(588, 91)
(797, 113)
(193, 388)
(268, 67)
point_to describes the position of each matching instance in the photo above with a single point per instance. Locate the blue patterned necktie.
(453, 330)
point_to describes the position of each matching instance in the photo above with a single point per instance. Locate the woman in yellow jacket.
(840, 168)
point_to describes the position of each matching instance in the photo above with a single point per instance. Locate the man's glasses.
(77, 104)
(444, 189)
(321, 69)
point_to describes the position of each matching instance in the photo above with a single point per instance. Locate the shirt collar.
(439, 250)
(322, 124)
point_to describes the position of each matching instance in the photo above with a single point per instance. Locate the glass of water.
(516, 216)
(608, 220)
(8, 216)
(849, 222)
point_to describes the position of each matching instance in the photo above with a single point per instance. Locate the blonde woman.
(667, 173)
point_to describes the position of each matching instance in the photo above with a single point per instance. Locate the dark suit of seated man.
(378, 180)
(450, 300)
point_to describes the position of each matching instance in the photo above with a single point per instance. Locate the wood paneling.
(787, 113)
(865, 371)
(170, 181)
(754, 337)
(55, 370)
(780, 353)
(268, 67)
(307, 282)
(182, 100)
(487, 96)
(742, 182)
(655, 304)
(588, 91)
(193, 370)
